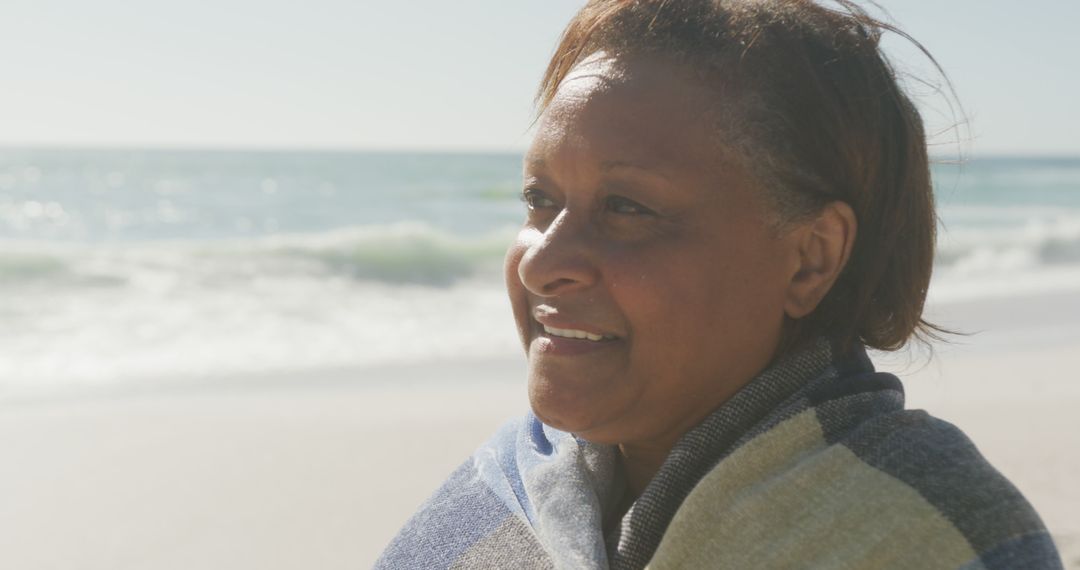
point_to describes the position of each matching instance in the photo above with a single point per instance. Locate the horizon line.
(432, 150)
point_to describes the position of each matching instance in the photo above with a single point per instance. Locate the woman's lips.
(575, 334)
(568, 340)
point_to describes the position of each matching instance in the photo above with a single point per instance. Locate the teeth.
(571, 333)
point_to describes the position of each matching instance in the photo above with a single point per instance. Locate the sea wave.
(400, 253)
(1002, 241)
(404, 253)
(30, 267)
(1003, 252)
(981, 242)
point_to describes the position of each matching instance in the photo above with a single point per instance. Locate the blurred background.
(250, 263)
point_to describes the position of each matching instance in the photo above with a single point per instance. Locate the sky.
(439, 75)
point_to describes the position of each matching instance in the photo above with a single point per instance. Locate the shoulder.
(939, 465)
(894, 490)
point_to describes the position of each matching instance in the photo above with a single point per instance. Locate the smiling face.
(646, 283)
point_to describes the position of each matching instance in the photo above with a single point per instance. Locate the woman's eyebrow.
(607, 166)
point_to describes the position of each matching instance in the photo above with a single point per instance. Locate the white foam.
(1000, 241)
(1024, 280)
(119, 313)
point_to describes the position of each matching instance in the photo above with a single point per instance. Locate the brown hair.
(814, 110)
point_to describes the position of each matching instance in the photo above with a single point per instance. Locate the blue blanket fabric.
(814, 464)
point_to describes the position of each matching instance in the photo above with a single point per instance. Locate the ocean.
(152, 267)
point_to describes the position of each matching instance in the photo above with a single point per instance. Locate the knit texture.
(814, 464)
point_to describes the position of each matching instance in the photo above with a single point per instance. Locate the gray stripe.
(943, 465)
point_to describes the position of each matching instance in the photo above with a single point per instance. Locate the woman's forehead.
(642, 78)
(639, 111)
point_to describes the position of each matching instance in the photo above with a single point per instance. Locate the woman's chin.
(559, 417)
(576, 417)
(599, 411)
(582, 421)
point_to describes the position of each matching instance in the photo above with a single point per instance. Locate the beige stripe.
(511, 545)
(786, 500)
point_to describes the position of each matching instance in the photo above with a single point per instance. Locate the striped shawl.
(814, 464)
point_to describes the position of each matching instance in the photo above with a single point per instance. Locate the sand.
(260, 477)
(320, 473)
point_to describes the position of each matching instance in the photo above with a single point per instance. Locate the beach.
(322, 472)
(255, 261)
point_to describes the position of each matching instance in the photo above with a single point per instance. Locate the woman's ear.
(824, 246)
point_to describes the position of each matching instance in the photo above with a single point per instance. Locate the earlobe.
(824, 246)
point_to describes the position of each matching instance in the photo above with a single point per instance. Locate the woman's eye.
(536, 199)
(624, 206)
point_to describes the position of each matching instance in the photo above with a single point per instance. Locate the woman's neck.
(640, 464)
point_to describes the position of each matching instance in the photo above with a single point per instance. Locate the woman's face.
(646, 283)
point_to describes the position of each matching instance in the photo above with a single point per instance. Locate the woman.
(727, 201)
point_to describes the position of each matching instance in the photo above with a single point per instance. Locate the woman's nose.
(559, 260)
